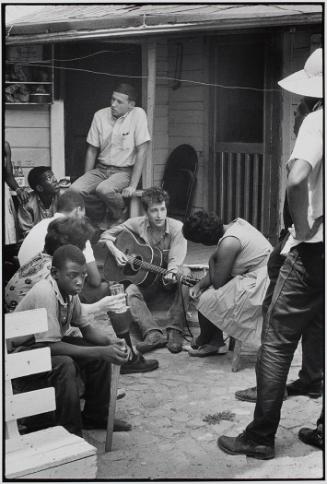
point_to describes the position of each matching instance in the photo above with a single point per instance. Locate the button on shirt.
(61, 315)
(118, 138)
(172, 242)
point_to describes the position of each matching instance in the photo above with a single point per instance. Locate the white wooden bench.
(52, 453)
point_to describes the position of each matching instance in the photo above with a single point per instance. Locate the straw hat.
(308, 81)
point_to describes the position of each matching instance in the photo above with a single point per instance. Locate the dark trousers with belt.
(65, 377)
(311, 373)
(297, 304)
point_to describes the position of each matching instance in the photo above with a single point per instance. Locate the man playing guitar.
(164, 233)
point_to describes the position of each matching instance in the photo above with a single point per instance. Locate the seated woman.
(232, 292)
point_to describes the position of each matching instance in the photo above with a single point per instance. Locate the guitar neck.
(188, 281)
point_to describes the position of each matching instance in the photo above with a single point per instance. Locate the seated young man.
(89, 356)
(70, 204)
(42, 202)
(164, 233)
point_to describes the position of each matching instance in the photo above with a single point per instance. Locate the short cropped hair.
(127, 89)
(66, 253)
(70, 200)
(67, 230)
(34, 177)
(203, 227)
(154, 195)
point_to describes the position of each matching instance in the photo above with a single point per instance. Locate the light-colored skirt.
(236, 307)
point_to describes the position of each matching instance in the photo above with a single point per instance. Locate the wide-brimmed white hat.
(308, 81)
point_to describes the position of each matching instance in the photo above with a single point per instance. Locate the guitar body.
(131, 245)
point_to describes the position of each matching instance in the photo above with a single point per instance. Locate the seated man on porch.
(118, 142)
(89, 356)
(164, 233)
(42, 202)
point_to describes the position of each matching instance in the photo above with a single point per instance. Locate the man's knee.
(107, 190)
(133, 291)
(64, 366)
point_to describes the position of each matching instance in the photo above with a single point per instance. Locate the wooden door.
(241, 164)
(91, 71)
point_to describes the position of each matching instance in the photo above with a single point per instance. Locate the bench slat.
(61, 447)
(24, 323)
(30, 403)
(27, 363)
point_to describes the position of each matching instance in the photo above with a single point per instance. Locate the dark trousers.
(64, 377)
(311, 373)
(297, 304)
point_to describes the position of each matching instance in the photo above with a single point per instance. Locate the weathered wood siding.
(180, 113)
(188, 113)
(27, 129)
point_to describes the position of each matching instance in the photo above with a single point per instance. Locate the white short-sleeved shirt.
(35, 239)
(61, 315)
(309, 147)
(118, 138)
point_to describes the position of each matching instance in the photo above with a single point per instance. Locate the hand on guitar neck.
(131, 260)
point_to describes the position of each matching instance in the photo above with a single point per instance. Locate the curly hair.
(67, 230)
(34, 177)
(65, 253)
(154, 195)
(203, 227)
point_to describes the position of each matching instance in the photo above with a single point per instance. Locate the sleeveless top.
(255, 248)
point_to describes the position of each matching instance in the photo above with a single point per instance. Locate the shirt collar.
(54, 284)
(121, 117)
(148, 226)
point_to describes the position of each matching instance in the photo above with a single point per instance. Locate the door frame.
(271, 129)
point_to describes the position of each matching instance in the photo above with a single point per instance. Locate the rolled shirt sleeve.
(93, 136)
(178, 247)
(141, 133)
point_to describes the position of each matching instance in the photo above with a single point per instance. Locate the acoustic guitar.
(145, 263)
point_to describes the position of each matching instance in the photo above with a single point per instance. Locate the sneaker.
(242, 445)
(299, 388)
(139, 365)
(312, 437)
(92, 424)
(175, 341)
(250, 395)
(153, 340)
(208, 350)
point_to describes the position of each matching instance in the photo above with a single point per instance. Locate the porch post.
(149, 69)
(57, 139)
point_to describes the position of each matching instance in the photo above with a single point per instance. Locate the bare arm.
(222, 261)
(112, 353)
(297, 196)
(141, 156)
(93, 274)
(90, 157)
(22, 194)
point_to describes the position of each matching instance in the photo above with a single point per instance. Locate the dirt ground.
(178, 412)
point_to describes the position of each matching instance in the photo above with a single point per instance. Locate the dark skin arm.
(220, 266)
(113, 353)
(22, 194)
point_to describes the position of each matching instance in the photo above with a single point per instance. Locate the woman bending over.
(230, 296)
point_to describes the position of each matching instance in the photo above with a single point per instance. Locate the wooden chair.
(52, 453)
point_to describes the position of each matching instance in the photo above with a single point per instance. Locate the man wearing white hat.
(298, 298)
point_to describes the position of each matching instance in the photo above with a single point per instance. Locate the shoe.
(250, 395)
(153, 340)
(242, 445)
(298, 388)
(139, 365)
(175, 341)
(208, 350)
(119, 425)
(121, 393)
(311, 437)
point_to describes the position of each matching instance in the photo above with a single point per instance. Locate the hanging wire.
(162, 78)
